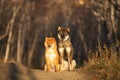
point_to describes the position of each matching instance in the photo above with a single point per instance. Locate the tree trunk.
(8, 43)
(113, 20)
(11, 23)
(83, 41)
(30, 54)
(19, 45)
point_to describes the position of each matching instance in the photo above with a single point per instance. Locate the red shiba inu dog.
(51, 54)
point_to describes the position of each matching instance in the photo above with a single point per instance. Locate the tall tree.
(11, 24)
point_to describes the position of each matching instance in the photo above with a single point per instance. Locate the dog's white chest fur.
(51, 54)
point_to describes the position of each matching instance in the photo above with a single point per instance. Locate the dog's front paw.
(45, 68)
(61, 67)
(73, 65)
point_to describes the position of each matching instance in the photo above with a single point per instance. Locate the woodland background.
(25, 23)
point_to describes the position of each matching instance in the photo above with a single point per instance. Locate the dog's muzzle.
(49, 46)
(62, 36)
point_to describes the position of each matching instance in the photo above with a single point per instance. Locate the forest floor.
(13, 71)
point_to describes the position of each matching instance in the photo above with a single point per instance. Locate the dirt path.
(14, 71)
(64, 75)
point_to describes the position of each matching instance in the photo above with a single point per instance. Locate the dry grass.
(105, 66)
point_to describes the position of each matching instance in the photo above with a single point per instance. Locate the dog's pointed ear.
(45, 41)
(46, 38)
(68, 29)
(59, 28)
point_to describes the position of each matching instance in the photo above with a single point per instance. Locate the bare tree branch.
(5, 34)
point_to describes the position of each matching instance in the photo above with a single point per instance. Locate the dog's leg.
(61, 52)
(61, 61)
(48, 67)
(69, 61)
(45, 67)
(69, 55)
(56, 65)
(48, 64)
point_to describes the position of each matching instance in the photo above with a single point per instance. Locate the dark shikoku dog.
(65, 46)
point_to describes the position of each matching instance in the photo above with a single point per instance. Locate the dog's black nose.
(62, 36)
(48, 46)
